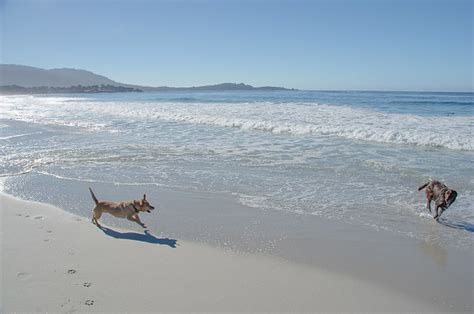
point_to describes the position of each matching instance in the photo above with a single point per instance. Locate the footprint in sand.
(49, 231)
(46, 240)
(27, 216)
(19, 214)
(39, 217)
(89, 302)
(87, 284)
(71, 271)
(69, 305)
(23, 276)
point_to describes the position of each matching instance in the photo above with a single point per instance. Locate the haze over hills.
(33, 77)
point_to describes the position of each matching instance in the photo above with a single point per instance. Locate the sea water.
(348, 156)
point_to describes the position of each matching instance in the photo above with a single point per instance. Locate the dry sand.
(59, 262)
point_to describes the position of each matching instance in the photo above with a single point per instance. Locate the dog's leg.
(436, 217)
(428, 200)
(137, 220)
(439, 215)
(96, 214)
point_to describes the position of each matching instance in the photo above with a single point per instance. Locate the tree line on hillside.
(15, 89)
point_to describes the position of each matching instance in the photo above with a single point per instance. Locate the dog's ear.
(144, 196)
(452, 196)
(447, 195)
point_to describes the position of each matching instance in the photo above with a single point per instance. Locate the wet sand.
(56, 261)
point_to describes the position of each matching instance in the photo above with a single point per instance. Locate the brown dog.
(127, 209)
(442, 196)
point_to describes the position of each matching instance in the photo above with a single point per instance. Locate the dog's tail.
(423, 186)
(93, 196)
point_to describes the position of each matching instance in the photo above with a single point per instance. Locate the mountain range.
(32, 77)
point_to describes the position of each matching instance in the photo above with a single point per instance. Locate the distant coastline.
(21, 79)
(92, 89)
(217, 87)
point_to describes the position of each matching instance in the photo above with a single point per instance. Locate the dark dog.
(440, 194)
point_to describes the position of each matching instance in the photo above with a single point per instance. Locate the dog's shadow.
(142, 237)
(460, 225)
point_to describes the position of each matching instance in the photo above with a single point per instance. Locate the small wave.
(12, 174)
(184, 99)
(430, 102)
(45, 173)
(18, 135)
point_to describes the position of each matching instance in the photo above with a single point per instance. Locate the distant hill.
(217, 87)
(29, 77)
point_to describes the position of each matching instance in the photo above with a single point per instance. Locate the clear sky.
(351, 44)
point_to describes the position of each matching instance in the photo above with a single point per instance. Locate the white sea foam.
(326, 120)
(252, 201)
(453, 132)
(425, 215)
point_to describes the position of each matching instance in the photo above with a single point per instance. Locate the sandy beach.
(54, 261)
(236, 156)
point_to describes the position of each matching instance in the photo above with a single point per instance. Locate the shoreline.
(110, 264)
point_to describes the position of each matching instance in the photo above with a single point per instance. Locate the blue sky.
(359, 45)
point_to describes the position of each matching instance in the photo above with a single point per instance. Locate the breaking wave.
(452, 132)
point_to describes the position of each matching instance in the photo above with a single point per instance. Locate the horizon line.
(288, 88)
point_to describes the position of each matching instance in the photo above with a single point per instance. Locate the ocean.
(353, 157)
